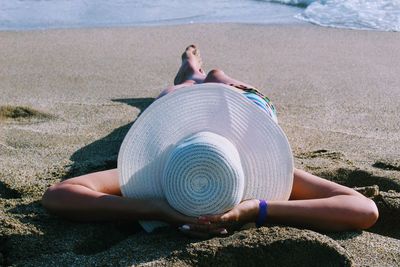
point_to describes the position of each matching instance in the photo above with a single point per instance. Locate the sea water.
(44, 14)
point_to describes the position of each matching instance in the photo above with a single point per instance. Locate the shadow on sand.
(102, 154)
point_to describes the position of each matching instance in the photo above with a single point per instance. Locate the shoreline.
(144, 26)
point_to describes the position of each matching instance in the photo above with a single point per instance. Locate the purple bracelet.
(262, 213)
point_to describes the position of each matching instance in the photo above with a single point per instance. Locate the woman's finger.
(190, 220)
(206, 228)
(209, 228)
(210, 218)
(230, 216)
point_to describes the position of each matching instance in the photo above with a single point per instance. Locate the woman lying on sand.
(313, 202)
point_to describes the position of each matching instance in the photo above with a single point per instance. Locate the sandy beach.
(68, 97)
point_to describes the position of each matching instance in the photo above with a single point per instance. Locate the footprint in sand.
(322, 153)
(21, 114)
(387, 165)
(7, 192)
(294, 250)
(101, 237)
(360, 178)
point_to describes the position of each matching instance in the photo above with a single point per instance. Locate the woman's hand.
(246, 211)
(164, 212)
(211, 225)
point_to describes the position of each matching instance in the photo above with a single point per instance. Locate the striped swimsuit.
(260, 100)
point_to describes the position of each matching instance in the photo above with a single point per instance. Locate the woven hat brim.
(265, 152)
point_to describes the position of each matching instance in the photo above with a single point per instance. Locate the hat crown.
(203, 175)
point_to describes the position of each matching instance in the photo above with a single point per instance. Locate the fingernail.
(185, 227)
(223, 232)
(204, 220)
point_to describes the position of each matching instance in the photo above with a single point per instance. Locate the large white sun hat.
(205, 148)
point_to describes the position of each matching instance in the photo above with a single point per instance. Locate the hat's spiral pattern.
(203, 175)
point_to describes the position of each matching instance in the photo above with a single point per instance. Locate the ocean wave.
(301, 3)
(381, 15)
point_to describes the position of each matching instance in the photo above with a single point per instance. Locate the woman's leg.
(218, 76)
(190, 71)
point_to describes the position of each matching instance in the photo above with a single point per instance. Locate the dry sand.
(67, 97)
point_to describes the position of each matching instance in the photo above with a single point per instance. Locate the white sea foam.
(381, 15)
(293, 2)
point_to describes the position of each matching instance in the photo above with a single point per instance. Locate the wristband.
(262, 213)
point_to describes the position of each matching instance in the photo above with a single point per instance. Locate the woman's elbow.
(368, 216)
(50, 198)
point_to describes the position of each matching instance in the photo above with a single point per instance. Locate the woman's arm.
(324, 205)
(97, 197)
(314, 203)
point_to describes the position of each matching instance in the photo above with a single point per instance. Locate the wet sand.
(68, 98)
